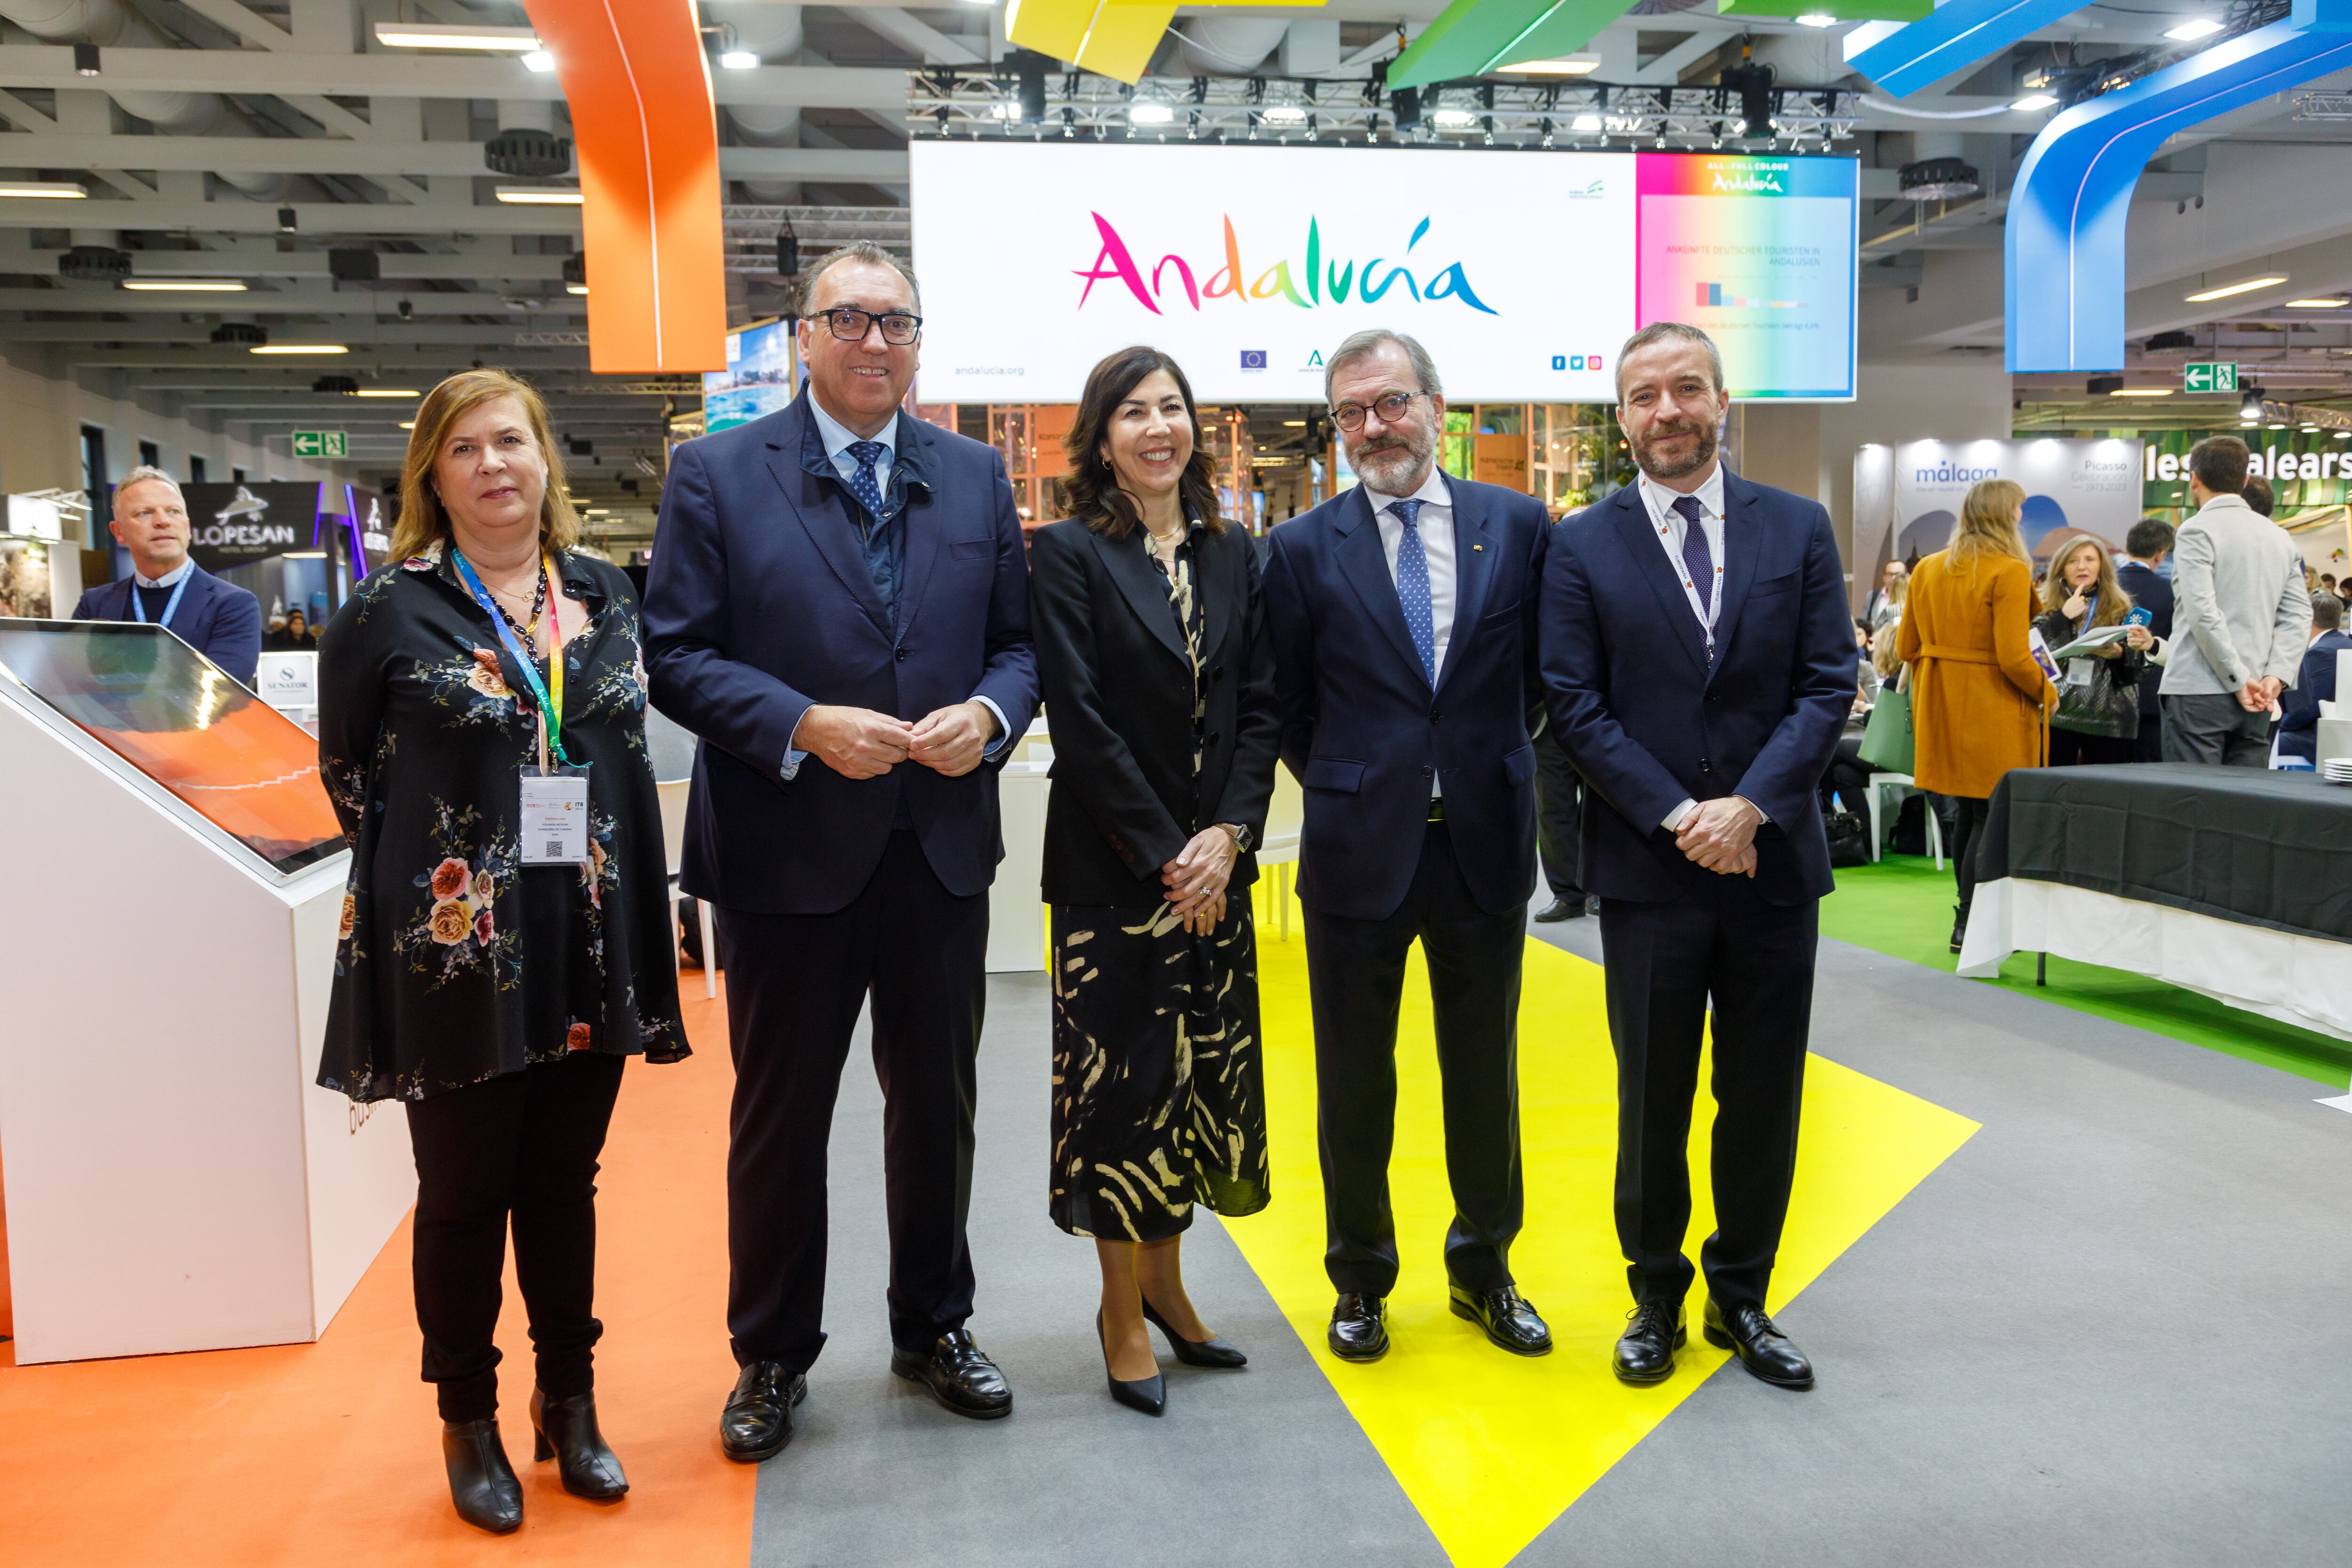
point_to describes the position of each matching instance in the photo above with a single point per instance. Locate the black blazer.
(1363, 731)
(1118, 687)
(2153, 595)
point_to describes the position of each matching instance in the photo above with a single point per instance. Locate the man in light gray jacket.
(2241, 618)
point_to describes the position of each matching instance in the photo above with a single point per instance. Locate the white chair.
(1879, 784)
(673, 793)
(1284, 815)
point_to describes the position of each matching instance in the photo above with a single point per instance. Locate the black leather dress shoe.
(1762, 1348)
(565, 1430)
(1508, 1318)
(759, 1420)
(1360, 1327)
(1561, 910)
(959, 1376)
(1149, 1394)
(1645, 1350)
(1211, 1351)
(481, 1483)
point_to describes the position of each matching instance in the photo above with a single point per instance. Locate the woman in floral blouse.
(495, 993)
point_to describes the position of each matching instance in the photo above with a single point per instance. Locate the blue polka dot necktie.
(1413, 586)
(867, 454)
(1699, 560)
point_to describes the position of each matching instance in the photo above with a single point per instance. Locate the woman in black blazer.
(1158, 684)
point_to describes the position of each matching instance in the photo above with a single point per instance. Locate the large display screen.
(160, 706)
(1523, 273)
(757, 379)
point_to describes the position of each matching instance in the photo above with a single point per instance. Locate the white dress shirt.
(1671, 530)
(1434, 523)
(168, 578)
(838, 438)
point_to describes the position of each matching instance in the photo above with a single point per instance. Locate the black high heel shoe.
(1149, 1394)
(565, 1430)
(1211, 1351)
(481, 1482)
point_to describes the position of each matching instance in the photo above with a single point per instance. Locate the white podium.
(175, 1181)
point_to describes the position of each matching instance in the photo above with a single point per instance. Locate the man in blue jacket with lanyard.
(838, 606)
(166, 587)
(1402, 613)
(1699, 662)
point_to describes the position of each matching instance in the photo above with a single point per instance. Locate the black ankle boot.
(481, 1483)
(565, 1430)
(1959, 925)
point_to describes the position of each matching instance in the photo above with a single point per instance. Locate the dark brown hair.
(1092, 485)
(2218, 462)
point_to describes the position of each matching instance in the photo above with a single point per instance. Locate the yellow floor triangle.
(1492, 1448)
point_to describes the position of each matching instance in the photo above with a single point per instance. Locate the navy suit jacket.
(760, 604)
(2152, 593)
(1649, 724)
(1363, 729)
(2299, 704)
(219, 620)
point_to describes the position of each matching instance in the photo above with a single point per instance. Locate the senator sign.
(1522, 273)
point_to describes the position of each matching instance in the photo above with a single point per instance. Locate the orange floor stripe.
(329, 1453)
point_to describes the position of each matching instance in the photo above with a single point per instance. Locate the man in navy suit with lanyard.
(839, 608)
(166, 587)
(1699, 662)
(1403, 620)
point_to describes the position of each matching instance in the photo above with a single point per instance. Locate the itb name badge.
(555, 817)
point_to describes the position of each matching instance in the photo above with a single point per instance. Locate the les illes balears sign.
(236, 525)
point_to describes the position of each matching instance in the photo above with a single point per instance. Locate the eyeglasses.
(851, 324)
(1390, 408)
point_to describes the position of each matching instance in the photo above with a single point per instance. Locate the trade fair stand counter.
(2235, 883)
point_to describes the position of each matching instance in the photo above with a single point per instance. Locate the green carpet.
(1903, 907)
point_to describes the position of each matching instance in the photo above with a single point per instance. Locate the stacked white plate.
(2337, 770)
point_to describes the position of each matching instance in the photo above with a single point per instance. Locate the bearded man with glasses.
(839, 608)
(1404, 637)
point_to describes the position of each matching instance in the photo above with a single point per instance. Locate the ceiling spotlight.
(1453, 119)
(540, 196)
(2034, 104)
(1585, 124)
(738, 60)
(45, 190)
(437, 36)
(85, 59)
(95, 264)
(1149, 114)
(239, 335)
(2242, 285)
(2194, 28)
(407, 309)
(1938, 180)
(1283, 114)
(1817, 19)
(2250, 406)
(539, 60)
(1569, 64)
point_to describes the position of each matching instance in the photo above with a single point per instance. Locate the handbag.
(1886, 743)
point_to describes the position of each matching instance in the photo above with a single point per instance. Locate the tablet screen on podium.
(177, 718)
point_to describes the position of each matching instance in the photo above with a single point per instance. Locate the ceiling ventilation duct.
(94, 264)
(239, 335)
(530, 155)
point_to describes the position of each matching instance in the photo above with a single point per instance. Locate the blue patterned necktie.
(867, 454)
(1698, 560)
(1413, 586)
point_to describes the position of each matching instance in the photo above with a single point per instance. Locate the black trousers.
(1560, 810)
(1356, 984)
(2072, 749)
(519, 1147)
(1664, 962)
(2147, 746)
(795, 985)
(1968, 821)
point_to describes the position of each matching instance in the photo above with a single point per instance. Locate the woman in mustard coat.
(1977, 699)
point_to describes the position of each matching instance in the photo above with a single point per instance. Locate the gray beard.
(1386, 471)
(1658, 468)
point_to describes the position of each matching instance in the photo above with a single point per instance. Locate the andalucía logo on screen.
(1176, 281)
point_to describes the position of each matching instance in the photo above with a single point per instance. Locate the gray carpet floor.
(2110, 1329)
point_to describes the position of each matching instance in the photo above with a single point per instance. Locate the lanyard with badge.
(170, 605)
(554, 800)
(2079, 669)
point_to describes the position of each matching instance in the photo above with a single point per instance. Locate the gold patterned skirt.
(1159, 1091)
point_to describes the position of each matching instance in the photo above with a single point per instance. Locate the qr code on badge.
(554, 849)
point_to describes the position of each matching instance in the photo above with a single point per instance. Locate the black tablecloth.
(2241, 843)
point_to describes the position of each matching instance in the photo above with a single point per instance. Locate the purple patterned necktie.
(1698, 560)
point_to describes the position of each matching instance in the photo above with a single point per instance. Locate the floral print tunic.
(455, 963)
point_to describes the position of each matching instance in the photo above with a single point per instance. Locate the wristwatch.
(1241, 836)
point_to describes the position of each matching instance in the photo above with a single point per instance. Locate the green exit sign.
(329, 443)
(2209, 378)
